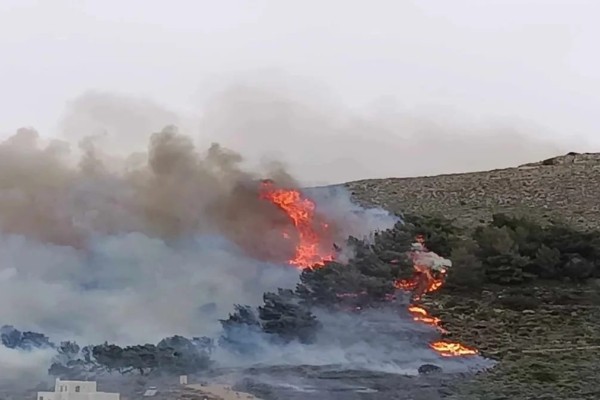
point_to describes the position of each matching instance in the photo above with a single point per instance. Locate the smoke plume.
(28, 366)
(115, 233)
(382, 340)
(133, 247)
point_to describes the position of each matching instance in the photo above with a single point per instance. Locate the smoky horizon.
(335, 92)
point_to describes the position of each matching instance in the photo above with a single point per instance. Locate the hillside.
(544, 334)
(563, 188)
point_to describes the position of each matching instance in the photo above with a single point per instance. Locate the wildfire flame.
(452, 349)
(422, 282)
(421, 315)
(310, 253)
(301, 212)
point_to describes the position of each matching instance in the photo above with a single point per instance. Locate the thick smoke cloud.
(132, 247)
(23, 366)
(171, 191)
(119, 124)
(270, 116)
(105, 253)
(115, 233)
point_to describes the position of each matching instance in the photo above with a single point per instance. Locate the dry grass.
(568, 190)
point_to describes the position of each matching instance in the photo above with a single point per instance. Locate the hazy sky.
(408, 77)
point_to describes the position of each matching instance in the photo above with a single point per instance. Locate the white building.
(76, 390)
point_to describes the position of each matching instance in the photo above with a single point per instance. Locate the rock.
(578, 268)
(528, 312)
(427, 369)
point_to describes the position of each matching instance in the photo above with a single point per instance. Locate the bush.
(499, 255)
(514, 250)
(467, 270)
(577, 268)
(493, 241)
(509, 250)
(282, 315)
(519, 302)
(506, 268)
(440, 234)
(546, 263)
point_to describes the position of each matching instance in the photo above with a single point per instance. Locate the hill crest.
(564, 188)
(569, 158)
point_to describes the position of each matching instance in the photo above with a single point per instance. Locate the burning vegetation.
(393, 261)
(177, 192)
(310, 230)
(506, 251)
(430, 269)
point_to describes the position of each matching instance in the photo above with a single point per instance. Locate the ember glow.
(310, 230)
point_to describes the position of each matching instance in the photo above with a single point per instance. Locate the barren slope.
(563, 188)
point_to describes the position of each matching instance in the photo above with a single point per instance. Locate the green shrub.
(506, 269)
(515, 249)
(467, 270)
(492, 241)
(441, 234)
(547, 262)
(508, 250)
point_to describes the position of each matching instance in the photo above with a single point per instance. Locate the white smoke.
(134, 249)
(129, 288)
(106, 236)
(336, 202)
(382, 340)
(18, 365)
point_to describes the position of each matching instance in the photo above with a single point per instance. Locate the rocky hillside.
(545, 336)
(564, 188)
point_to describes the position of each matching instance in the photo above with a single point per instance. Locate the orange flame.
(443, 348)
(451, 349)
(301, 212)
(309, 253)
(421, 315)
(424, 282)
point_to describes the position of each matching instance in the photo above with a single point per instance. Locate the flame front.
(424, 281)
(309, 253)
(452, 349)
(301, 212)
(420, 314)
